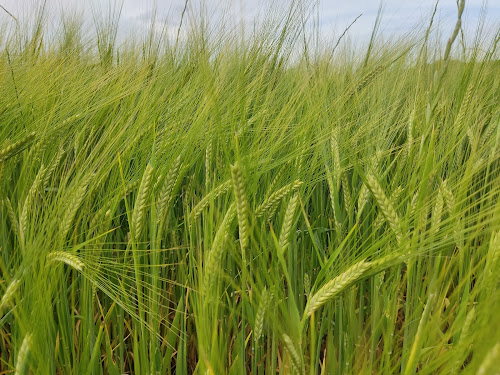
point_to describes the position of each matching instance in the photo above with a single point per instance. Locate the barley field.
(259, 205)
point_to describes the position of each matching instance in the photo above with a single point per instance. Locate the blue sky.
(399, 16)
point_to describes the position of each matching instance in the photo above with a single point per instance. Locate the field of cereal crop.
(224, 205)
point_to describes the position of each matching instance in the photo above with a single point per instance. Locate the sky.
(399, 16)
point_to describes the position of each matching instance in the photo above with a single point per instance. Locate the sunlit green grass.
(223, 206)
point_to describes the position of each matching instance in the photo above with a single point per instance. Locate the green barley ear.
(458, 27)
(448, 197)
(466, 329)
(288, 222)
(437, 213)
(386, 207)
(64, 257)
(379, 219)
(307, 284)
(473, 139)
(241, 205)
(458, 233)
(295, 357)
(74, 205)
(492, 259)
(2, 167)
(365, 81)
(205, 201)
(336, 286)
(53, 167)
(346, 194)
(271, 203)
(28, 202)
(131, 186)
(165, 196)
(140, 203)
(387, 261)
(331, 191)
(264, 303)
(12, 217)
(413, 203)
(23, 355)
(208, 163)
(17, 147)
(276, 178)
(416, 347)
(8, 296)
(411, 121)
(488, 364)
(334, 143)
(214, 256)
(100, 215)
(299, 161)
(364, 193)
(464, 343)
(460, 119)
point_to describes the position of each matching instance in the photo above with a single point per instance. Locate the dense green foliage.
(220, 206)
